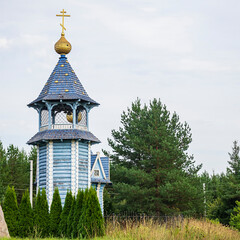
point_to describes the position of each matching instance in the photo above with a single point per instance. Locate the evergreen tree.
(77, 212)
(235, 217)
(55, 213)
(91, 222)
(64, 215)
(234, 162)
(10, 209)
(41, 214)
(25, 217)
(71, 219)
(152, 171)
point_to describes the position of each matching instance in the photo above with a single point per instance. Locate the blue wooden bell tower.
(64, 140)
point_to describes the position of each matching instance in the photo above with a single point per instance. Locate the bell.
(70, 117)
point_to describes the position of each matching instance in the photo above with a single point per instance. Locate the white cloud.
(4, 43)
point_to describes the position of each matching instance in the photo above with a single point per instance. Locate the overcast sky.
(187, 53)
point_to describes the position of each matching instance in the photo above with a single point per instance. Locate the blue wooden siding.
(62, 167)
(82, 165)
(42, 165)
(105, 164)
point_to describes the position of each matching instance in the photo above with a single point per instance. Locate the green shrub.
(91, 222)
(77, 213)
(64, 215)
(10, 209)
(41, 215)
(55, 213)
(25, 216)
(71, 218)
(235, 217)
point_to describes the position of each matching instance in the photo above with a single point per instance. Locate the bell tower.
(63, 139)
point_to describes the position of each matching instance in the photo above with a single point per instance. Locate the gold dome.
(62, 46)
(70, 117)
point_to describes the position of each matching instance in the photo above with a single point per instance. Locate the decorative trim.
(101, 166)
(76, 167)
(89, 164)
(98, 190)
(37, 169)
(73, 167)
(50, 166)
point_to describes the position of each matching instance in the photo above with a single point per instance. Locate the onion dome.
(62, 46)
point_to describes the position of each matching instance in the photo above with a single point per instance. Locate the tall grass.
(174, 229)
(184, 229)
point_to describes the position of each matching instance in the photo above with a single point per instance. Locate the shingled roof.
(63, 134)
(63, 84)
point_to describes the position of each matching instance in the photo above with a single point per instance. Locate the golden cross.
(62, 15)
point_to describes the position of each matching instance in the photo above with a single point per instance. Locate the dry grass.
(180, 230)
(187, 229)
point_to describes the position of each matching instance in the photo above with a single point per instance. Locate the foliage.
(91, 222)
(71, 218)
(64, 215)
(108, 203)
(14, 169)
(10, 209)
(55, 213)
(151, 170)
(41, 214)
(235, 217)
(77, 212)
(25, 216)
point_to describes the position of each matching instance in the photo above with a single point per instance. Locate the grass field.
(187, 229)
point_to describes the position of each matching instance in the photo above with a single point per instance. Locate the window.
(96, 173)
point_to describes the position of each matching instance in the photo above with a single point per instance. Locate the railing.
(63, 126)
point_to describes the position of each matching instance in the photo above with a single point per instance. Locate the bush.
(25, 216)
(41, 214)
(91, 222)
(77, 213)
(55, 213)
(235, 217)
(10, 209)
(71, 218)
(64, 215)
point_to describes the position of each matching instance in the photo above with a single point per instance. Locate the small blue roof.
(63, 84)
(63, 134)
(104, 161)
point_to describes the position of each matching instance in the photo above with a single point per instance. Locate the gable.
(97, 167)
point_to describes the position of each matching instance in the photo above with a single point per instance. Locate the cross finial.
(62, 15)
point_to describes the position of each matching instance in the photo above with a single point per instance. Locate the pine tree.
(10, 209)
(234, 162)
(77, 212)
(25, 217)
(41, 214)
(91, 222)
(55, 213)
(71, 218)
(152, 171)
(64, 215)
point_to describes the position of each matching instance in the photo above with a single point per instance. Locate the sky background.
(187, 53)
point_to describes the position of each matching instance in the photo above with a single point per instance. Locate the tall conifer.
(91, 222)
(10, 209)
(71, 218)
(77, 213)
(25, 216)
(41, 214)
(55, 213)
(64, 215)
